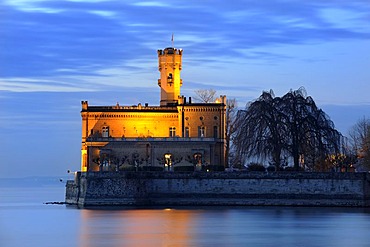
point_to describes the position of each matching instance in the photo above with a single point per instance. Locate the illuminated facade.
(176, 135)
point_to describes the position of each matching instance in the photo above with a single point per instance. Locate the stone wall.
(189, 189)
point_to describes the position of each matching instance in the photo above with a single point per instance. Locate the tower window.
(215, 132)
(201, 131)
(105, 131)
(187, 134)
(169, 79)
(172, 131)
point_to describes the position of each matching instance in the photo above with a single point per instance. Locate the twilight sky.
(55, 53)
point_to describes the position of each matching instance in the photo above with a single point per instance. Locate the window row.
(201, 131)
(172, 131)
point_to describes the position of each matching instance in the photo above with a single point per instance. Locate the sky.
(56, 53)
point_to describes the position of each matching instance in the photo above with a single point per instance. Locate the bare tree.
(359, 136)
(205, 95)
(231, 110)
(275, 127)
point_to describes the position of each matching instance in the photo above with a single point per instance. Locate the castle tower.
(169, 66)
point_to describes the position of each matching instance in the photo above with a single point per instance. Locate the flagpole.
(172, 40)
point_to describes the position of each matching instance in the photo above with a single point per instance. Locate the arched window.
(168, 162)
(172, 132)
(169, 79)
(187, 132)
(201, 131)
(105, 131)
(198, 158)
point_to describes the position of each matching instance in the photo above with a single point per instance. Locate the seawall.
(91, 189)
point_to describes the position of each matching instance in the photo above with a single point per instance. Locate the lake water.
(26, 221)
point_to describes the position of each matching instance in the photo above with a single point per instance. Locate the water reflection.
(226, 227)
(26, 221)
(162, 227)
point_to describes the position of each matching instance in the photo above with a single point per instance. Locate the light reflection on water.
(137, 227)
(226, 227)
(25, 221)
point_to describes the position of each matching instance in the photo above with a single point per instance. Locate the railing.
(153, 139)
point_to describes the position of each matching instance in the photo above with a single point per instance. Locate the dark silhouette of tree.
(359, 136)
(231, 106)
(260, 130)
(310, 131)
(275, 127)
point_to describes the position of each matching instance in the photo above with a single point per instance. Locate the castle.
(177, 135)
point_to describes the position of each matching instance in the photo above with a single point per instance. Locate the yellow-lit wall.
(207, 116)
(156, 123)
(151, 122)
(132, 124)
(169, 62)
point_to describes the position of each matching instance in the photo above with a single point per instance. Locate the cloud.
(80, 39)
(55, 53)
(39, 85)
(151, 4)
